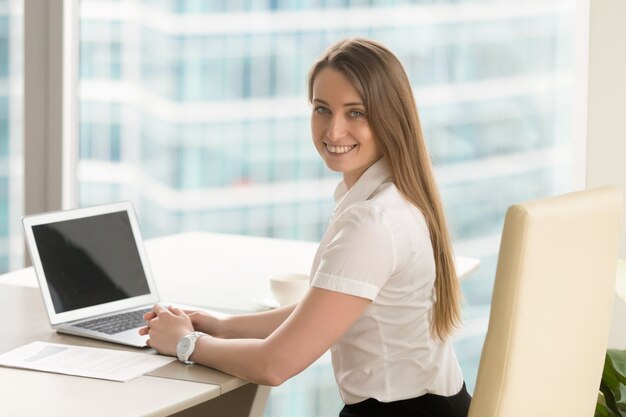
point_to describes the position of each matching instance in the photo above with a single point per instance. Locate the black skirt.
(428, 405)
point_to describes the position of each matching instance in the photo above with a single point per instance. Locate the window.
(11, 101)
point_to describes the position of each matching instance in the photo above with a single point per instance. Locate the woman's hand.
(206, 323)
(202, 322)
(165, 328)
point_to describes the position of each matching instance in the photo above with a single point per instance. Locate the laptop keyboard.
(117, 323)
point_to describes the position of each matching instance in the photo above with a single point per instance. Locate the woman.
(384, 296)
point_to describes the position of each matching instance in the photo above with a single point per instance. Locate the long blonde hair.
(380, 79)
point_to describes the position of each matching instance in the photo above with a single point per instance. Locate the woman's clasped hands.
(165, 327)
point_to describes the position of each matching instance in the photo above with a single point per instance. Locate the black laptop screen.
(90, 261)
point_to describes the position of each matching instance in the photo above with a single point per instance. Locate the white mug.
(289, 287)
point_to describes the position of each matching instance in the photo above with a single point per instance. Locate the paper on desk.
(116, 365)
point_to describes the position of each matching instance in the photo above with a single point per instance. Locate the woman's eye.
(356, 114)
(321, 110)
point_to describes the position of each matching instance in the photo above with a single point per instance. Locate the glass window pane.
(210, 96)
(11, 133)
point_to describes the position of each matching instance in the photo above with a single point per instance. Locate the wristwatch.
(186, 345)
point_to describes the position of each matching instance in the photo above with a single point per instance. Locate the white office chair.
(551, 307)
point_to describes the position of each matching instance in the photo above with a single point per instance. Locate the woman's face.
(340, 128)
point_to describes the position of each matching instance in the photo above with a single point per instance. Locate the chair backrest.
(551, 307)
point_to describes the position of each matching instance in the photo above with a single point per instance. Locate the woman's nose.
(336, 128)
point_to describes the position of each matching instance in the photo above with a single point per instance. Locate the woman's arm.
(244, 326)
(315, 325)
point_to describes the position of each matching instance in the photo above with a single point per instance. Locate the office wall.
(606, 118)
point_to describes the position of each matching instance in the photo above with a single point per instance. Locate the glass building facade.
(196, 111)
(11, 132)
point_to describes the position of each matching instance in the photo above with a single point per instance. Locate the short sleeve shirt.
(378, 247)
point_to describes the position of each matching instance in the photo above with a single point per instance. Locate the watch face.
(183, 346)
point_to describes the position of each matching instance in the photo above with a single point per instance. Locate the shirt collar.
(378, 173)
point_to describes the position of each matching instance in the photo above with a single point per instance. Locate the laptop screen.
(90, 261)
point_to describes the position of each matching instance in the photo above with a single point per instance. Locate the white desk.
(220, 271)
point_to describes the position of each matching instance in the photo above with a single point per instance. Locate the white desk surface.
(204, 269)
(30, 393)
(46, 394)
(222, 271)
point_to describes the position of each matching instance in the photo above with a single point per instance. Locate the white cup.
(288, 287)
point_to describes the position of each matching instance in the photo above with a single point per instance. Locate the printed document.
(116, 365)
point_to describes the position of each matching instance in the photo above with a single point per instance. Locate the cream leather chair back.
(551, 307)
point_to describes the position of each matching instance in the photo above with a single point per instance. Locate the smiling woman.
(365, 73)
(340, 128)
(384, 295)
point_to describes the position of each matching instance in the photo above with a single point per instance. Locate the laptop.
(93, 271)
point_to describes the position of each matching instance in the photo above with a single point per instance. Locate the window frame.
(50, 104)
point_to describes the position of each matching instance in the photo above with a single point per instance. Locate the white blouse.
(378, 247)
